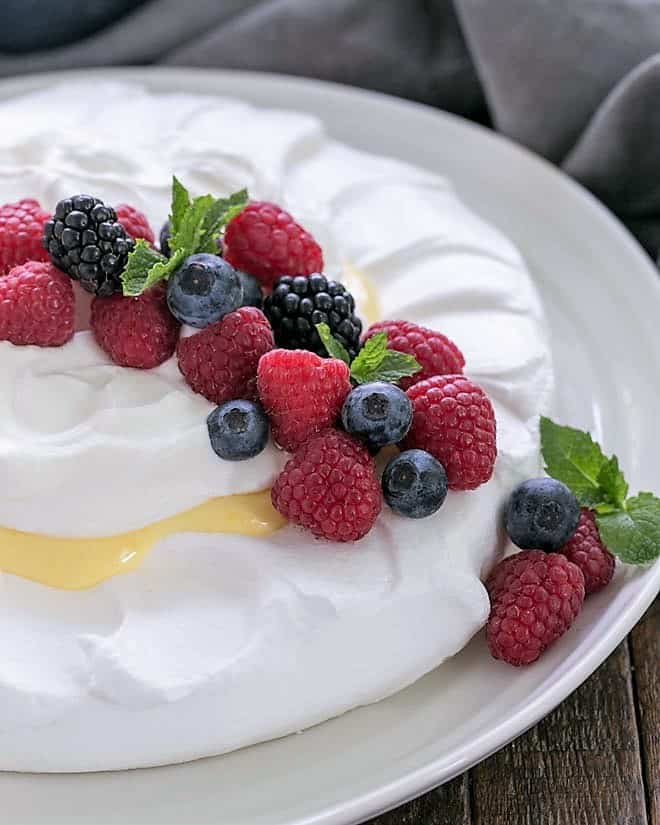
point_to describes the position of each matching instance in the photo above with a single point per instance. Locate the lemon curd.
(78, 563)
(362, 289)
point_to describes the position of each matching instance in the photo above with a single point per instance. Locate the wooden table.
(594, 761)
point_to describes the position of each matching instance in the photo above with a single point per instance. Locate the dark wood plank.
(581, 765)
(645, 651)
(447, 805)
(594, 761)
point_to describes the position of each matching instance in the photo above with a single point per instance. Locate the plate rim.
(417, 781)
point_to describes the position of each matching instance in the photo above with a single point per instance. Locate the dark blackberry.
(85, 240)
(297, 304)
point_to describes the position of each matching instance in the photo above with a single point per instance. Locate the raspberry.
(266, 242)
(135, 332)
(135, 223)
(434, 352)
(37, 305)
(302, 393)
(534, 597)
(454, 421)
(330, 487)
(21, 230)
(220, 361)
(586, 550)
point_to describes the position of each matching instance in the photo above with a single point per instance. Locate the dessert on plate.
(254, 464)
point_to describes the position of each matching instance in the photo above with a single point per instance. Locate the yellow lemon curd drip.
(77, 563)
(362, 289)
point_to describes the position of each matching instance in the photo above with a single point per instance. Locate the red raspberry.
(220, 361)
(21, 233)
(435, 353)
(454, 421)
(134, 222)
(330, 487)
(586, 550)
(534, 599)
(302, 393)
(37, 305)
(266, 242)
(135, 332)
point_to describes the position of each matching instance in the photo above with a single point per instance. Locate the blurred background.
(577, 81)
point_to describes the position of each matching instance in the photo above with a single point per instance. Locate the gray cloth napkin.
(577, 81)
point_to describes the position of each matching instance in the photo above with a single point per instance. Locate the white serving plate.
(602, 298)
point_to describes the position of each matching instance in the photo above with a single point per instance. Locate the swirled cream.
(219, 640)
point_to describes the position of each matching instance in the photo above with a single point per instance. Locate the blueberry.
(414, 484)
(238, 430)
(164, 238)
(252, 295)
(542, 514)
(203, 290)
(378, 413)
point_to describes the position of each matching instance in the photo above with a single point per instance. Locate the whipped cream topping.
(220, 641)
(75, 425)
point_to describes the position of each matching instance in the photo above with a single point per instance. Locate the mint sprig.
(179, 205)
(195, 227)
(629, 527)
(374, 362)
(334, 348)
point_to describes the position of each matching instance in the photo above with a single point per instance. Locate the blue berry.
(378, 413)
(414, 484)
(164, 238)
(238, 430)
(252, 294)
(203, 290)
(542, 514)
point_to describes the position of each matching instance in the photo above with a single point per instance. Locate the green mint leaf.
(375, 362)
(163, 269)
(573, 457)
(218, 216)
(612, 483)
(369, 358)
(333, 347)
(180, 203)
(394, 366)
(195, 227)
(140, 263)
(633, 534)
(191, 229)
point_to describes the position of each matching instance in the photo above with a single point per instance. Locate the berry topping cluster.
(570, 525)
(236, 293)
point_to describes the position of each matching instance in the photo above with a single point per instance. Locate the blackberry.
(297, 304)
(85, 240)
